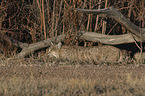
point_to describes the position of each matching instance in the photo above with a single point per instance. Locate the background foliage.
(31, 21)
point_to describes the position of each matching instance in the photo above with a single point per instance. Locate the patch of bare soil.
(53, 79)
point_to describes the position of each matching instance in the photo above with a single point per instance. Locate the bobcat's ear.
(59, 45)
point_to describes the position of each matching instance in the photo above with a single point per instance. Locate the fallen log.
(109, 39)
(90, 36)
(119, 17)
(39, 45)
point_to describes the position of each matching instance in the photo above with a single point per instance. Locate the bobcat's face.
(54, 50)
(53, 54)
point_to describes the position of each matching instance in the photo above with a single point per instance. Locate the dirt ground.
(97, 73)
(67, 70)
(72, 71)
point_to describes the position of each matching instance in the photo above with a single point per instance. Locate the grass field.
(34, 77)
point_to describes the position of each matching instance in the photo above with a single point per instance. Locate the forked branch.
(119, 17)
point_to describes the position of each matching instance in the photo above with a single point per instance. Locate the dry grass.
(51, 86)
(33, 77)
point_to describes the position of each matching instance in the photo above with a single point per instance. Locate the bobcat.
(98, 54)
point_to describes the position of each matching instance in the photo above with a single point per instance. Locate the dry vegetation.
(27, 77)
(30, 21)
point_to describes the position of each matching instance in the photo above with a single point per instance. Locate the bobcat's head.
(54, 50)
